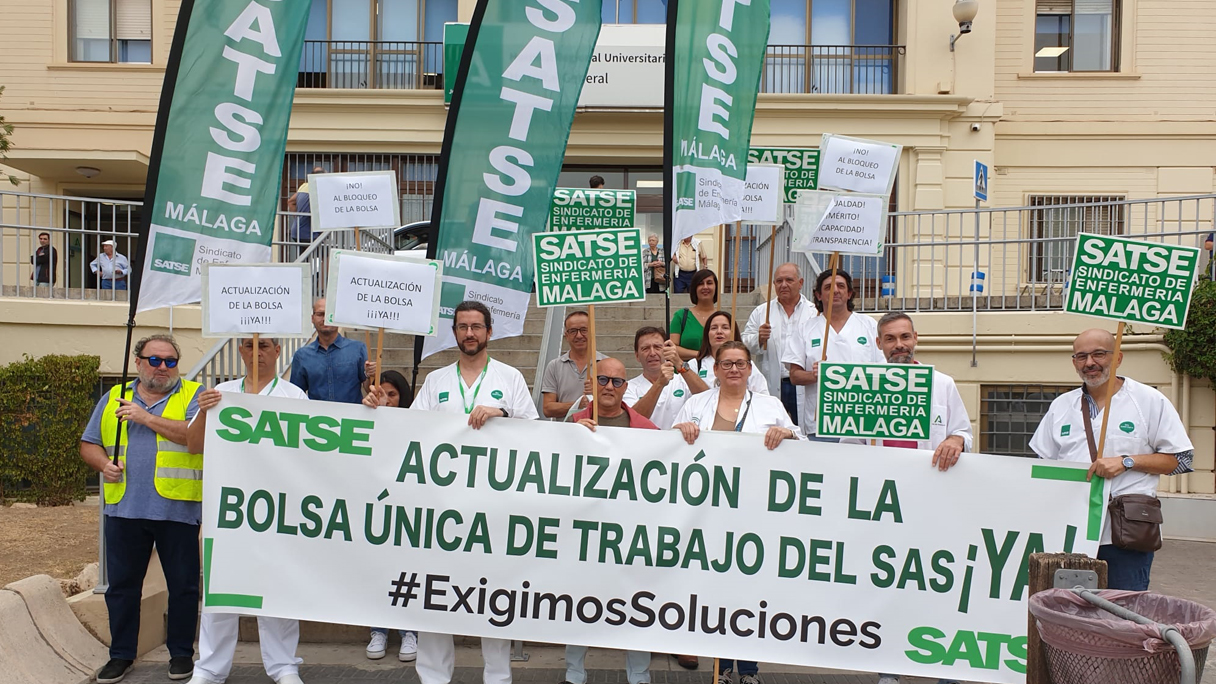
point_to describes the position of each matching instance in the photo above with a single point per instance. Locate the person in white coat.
(718, 330)
(218, 632)
(661, 390)
(852, 340)
(768, 331)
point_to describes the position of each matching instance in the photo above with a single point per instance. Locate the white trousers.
(437, 659)
(217, 639)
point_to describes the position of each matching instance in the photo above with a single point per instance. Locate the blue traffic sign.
(981, 181)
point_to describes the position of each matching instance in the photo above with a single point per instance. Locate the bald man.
(610, 385)
(767, 341)
(1145, 439)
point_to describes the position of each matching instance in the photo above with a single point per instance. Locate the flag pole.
(734, 281)
(669, 175)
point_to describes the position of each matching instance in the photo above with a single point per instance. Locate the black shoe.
(181, 667)
(113, 671)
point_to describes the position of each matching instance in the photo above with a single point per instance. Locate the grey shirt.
(563, 378)
(141, 500)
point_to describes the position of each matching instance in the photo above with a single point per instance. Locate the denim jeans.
(1126, 569)
(402, 632)
(789, 399)
(637, 666)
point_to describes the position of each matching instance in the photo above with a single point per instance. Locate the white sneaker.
(289, 679)
(409, 648)
(888, 679)
(377, 646)
(199, 679)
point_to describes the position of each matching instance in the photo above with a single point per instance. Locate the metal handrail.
(1168, 633)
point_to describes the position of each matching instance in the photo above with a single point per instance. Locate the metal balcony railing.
(371, 64)
(832, 69)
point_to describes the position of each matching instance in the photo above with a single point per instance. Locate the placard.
(850, 223)
(801, 167)
(364, 199)
(874, 400)
(1134, 281)
(857, 164)
(763, 190)
(264, 299)
(586, 208)
(588, 267)
(399, 294)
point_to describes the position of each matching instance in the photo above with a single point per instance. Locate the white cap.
(108, 242)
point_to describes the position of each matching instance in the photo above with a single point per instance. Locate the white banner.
(827, 555)
(267, 299)
(763, 192)
(857, 165)
(849, 223)
(364, 199)
(399, 294)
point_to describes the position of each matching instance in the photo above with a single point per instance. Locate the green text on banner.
(801, 167)
(1131, 280)
(583, 208)
(719, 55)
(831, 555)
(874, 400)
(215, 199)
(506, 150)
(589, 267)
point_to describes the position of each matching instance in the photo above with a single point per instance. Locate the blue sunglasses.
(156, 361)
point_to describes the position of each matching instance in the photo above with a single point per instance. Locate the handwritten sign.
(264, 299)
(762, 194)
(857, 165)
(399, 294)
(354, 200)
(850, 223)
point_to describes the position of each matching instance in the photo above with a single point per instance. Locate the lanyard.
(746, 410)
(272, 385)
(468, 407)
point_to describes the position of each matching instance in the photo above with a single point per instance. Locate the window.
(634, 11)
(831, 46)
(1076, 35)
(111, 31)
(1054, 228)
(1009, 415)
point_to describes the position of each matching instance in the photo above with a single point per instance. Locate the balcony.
(400, 65)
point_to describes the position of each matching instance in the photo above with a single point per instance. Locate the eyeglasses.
(465, 327)
(576, 331)
(156, 361)
(1098, 356)
(603, 380)
(727, 365)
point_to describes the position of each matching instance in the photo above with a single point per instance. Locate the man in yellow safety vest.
(153, 492)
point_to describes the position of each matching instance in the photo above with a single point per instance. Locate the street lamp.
(964, 13)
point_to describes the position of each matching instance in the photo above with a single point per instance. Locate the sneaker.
(749, 679)
(292, 678)
(888, 679)
(113, 671)
(181, 667)
(688, 662)
(725, 676)
(199, 679)
(377, 646)
(409, 648)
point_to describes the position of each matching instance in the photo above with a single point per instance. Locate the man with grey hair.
(767, 341)
(153, 489)
(1145, 439)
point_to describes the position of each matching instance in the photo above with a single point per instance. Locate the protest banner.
(874, 400)
(801, 167)
(588, 267)
(262, 299)
(763, 192)
(852, 223)
(587, 208)
(826, 555)
(857, 165)
(364, 199)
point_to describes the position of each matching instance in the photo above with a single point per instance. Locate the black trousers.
(129, 543)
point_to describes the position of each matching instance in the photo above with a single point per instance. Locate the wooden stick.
(595, 404)
(379, 351)
(734, 281)
(254, 359)
(772, 268)
(715, 679)
(1110, 383)
(367, 334)
(827, 329)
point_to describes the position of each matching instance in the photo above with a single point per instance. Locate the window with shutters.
(118, 31)
(1076, 35)
(1054, 225)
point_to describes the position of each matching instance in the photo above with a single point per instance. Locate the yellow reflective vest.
(179, 473)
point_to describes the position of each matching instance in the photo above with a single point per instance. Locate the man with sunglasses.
(564, 383)
(1145, 439)
(153, 492)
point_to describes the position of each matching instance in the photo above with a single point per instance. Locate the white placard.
(849, 223)
(399, 294)
(857, 165)
(354, 200)
(267, 299)
(763, 191)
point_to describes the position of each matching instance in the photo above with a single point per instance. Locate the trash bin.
(1085, 644)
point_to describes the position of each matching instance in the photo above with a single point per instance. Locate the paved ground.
(1180, 569)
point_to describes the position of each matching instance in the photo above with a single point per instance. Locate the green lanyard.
(468, 407)
(272, 385)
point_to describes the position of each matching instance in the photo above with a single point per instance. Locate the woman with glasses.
(717, 332)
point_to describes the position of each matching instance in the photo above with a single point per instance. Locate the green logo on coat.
(443, 396)
(1127, 426)
(1064, 430)
(497, 394)
(861, 340)
(678, 393)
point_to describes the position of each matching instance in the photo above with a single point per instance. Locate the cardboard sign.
(584, 208)
(399, 294)
(801, 167)
(857, 165)
(1134, 281)
(589, 267)
(763, 193)
(354, 200)
(852, 223)
(874, 400)
(266, 299)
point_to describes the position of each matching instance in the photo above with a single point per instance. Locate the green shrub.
(1193, 350)
(45, 404)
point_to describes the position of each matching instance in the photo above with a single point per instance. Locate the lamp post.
(964, 13)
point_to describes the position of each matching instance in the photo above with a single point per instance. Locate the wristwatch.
(684, 368)
(1128, 463)
(505, 414)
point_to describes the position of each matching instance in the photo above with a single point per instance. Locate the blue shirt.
(332, 374)
(141, 500)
